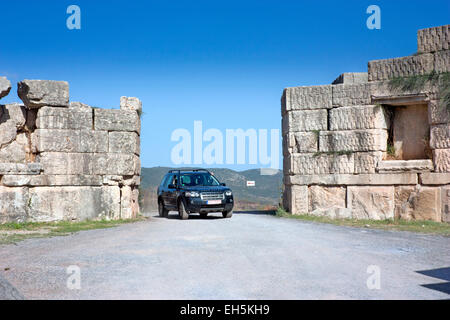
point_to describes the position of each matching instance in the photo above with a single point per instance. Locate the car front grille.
(212, 196)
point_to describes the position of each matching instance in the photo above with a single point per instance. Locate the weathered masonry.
(62, 160)
(373, 145)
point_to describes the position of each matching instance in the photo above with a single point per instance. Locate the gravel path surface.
(250, 256)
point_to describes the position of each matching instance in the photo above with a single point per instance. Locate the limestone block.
(137, 165)
(17, 150)
(131, 104)
(441, 160)
(400, 67)
(434, 178)
(20, 168)
(351, 94)
(355, 140)
(129, 203)
(438, 113)
(13, 204)
(307, 164)
(51, 180)
(442, 61)
(440, 136)
(359, 117)
(304, 142)
(73, 203)
(66, 163)
(296, 199)
(5, 87)
(39, 93)
(62, 140)
(350, 179)
(418, 203)
(445, 204)
(79, 106)
(433, 39)
(387, 89)
(314, 97)
(367, 162)
(375, 203)
(12, 119)
(135, 203)
(388, 166)
(116, 120)
(115, 164)
(124, 142)
(305, 120)
(115, 180)
(62, 118)
(325, 200)
(352, 78)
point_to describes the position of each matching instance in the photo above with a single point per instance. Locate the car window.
(164, 181)
(198, 179)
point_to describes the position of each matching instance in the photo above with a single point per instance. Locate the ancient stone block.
(62, 118)
(62, 140)
(13, 204)
(359, 117)
(17, 150)
(355, 140)
(399, 94)
(433, 39)
(350, 179)
(351, 94)
(116, 120)
(304, 142)
(442, 61)
(388, 166)
(352, 78)
(366, 162)
(434, 178)
(305, 120)
(12, 119)
(124, 142)
(115, 164)
(296, 199)
(445, 204)
(39, 93)
(68, 163)
(20, 168)
(79, 106)
(129, 203)
(418, 203)
(441, 160)
(51, 180)
(400, 67)
(73, 203)
(325, 201)
(5, 87)
(438, 113)
(375, 203)
(131, 104)
(440, 136)
(314, 97)
(306, 164)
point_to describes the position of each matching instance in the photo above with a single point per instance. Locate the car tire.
(163, 212)
(227, 214)
(182, 211)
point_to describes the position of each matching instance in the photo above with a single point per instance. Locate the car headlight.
(228, 193)
(192, 194)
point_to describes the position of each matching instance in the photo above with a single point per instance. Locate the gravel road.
(251, 256)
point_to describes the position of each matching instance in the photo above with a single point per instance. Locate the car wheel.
(203, 215)
(163, 212)
(227, 214)
(182, 211)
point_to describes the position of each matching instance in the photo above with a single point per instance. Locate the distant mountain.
(266, 192)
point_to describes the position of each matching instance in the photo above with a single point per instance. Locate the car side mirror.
(223, 184)
(171, 186)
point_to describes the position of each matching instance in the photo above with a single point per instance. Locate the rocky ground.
(251, 256)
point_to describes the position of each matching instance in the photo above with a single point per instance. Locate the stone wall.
(62, 160)
(337, 140)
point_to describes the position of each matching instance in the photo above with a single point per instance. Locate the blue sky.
(222, 62)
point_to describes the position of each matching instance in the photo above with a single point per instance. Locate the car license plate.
(214, 202)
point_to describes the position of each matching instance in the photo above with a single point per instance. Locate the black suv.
(193, 191)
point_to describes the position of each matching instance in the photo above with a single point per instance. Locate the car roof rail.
(190, 170)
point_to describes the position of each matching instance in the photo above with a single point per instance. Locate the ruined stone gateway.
(373, 145)
(62, 160)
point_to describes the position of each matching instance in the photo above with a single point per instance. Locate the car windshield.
(198, 179)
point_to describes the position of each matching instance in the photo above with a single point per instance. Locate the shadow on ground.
(441, 273)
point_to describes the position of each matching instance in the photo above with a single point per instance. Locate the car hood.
(207, 189)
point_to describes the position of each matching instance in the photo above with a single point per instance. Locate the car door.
(165, 191)
(172, 194)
